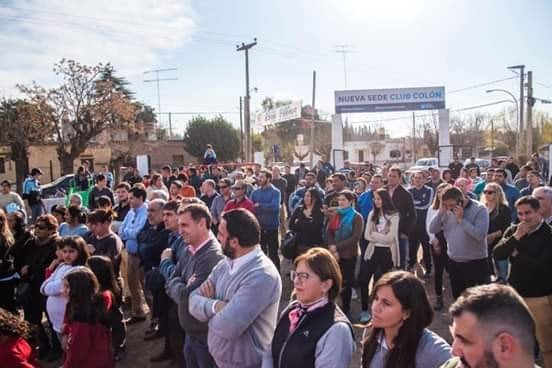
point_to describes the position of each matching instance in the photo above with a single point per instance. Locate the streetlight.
(517, 111)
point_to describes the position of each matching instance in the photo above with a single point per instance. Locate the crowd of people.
(196, 253)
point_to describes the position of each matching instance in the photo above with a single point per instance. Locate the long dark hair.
(85, 303)
(387, 206)
(102, 267)
(410, 292)
(77, 243)
(315, 198)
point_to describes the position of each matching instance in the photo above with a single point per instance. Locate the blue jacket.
(176, 243)
(422, 201)
(268, 210)
(365, 203)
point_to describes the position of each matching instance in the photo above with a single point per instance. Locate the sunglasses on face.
(237, 188)
(489, 192)
(223, 186)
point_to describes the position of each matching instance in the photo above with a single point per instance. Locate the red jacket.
(88, 345)
(15, 352)
(245, 203)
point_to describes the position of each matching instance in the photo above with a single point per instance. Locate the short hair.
(534, 172)
(159, 194)
(498, 308)
(377, 176)
(172, 206)
(197, 211)
(49, 220)
(78, 213)
(225, 181)
(526, 167)
(324, 265)
(211, 183)
(5, 182)
(104, 201)
(351, 197)
(100, 177)
(36, 171)
(310, 173)
(166, 168)
(123, 185)
(138, 192)
(158, 202)
(529, 200)
(339, 176)
(182, 177)
(546, 190)
(243, 225)
(501, 171)
(396, 169)
(267, 173)
(452, 193)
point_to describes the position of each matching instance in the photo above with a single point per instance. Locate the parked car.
(425, 164)
(58, 187)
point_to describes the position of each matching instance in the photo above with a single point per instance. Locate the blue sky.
(393, 43)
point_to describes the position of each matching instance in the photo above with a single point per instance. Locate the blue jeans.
(502, 269)
(37, 210)
(403, 250)
(196, 353)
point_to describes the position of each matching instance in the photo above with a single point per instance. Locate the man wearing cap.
(473, 165)
(434, 179)
(10, 201)
(32, 192)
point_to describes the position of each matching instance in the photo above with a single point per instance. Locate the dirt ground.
(139, 351)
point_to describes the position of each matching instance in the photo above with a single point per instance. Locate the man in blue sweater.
(422, 196)
(510, 191)
(267, 210)
(240, 297)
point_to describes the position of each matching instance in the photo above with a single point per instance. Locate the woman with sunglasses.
(312, 330)
(499, 219)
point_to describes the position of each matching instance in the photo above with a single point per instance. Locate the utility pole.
(414, 136)
(344, 50)
(157, 80)
(241, 130)
(492, 137)
(529, 122)
(312, 120)
(521, 96)
(247, 119)
(170, 124)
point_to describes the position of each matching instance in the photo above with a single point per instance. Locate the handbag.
(289, 245)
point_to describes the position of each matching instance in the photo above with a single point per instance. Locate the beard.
(488, 361)
(227, 250)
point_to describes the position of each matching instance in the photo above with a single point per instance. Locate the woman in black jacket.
(7, 270)
(307, 221)
(500, 219)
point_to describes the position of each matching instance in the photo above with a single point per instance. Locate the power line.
(344, 50)
(480, 85)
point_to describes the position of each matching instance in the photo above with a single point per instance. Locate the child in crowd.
(15, 351)
(74, 253)
(102, 267)
(87, 339)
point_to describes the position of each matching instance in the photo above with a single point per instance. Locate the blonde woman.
(499, 219)
(7, 270)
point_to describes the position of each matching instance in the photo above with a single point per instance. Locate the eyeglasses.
(237, 188)
(223, 186)
(489, 192)
(302, 276)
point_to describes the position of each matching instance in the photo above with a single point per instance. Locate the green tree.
(218, 132)
(20, 127)
(82, 107)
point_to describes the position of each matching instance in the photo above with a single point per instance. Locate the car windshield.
(424, 162)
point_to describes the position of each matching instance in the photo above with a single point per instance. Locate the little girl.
(86, 327)
(74, 253)
(102, 267)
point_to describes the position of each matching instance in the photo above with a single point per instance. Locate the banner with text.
(279, 114)
(397, 99)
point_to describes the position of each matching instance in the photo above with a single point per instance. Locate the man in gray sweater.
(240, 297)
(465, 223)
(193, 268)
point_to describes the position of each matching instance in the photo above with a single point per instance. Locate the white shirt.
(236, 264)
